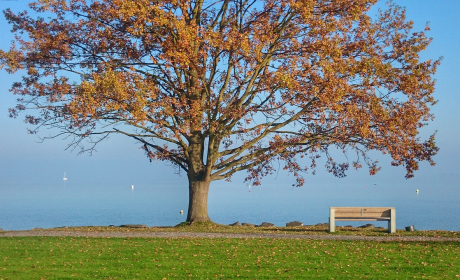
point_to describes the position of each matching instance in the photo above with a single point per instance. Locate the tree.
(217, 87)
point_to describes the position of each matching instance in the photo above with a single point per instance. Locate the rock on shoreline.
(294, 224)
(134, 226)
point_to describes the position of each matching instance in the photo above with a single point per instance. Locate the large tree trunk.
(198, 181)
(198, 200)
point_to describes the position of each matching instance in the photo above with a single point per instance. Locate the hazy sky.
(23, 161)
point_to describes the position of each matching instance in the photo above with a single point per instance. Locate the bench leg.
(392, 221)
(331, 220)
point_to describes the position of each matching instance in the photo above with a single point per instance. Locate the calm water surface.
(27, 207)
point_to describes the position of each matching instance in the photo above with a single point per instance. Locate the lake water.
(27, 207)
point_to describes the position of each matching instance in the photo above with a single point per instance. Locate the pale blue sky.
(23, 161)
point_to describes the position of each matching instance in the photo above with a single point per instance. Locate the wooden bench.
(363, 214)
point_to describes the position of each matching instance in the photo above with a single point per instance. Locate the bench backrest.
(362, 212)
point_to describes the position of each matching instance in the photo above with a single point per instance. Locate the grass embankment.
(198, 258)
(307, 230)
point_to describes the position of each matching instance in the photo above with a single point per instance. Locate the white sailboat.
(65, 178)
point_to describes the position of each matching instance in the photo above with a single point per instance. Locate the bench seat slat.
(370, 212)
(362, 219)
(358, 215)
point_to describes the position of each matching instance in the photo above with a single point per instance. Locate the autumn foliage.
(218, 87)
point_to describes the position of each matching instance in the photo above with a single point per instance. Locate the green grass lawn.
(200, 258)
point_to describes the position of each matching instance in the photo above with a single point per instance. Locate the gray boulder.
(368, 226)
(134, 226)
(235, 224)
(410, 228)
(265, 224)
(322, 225)
(294, 224)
